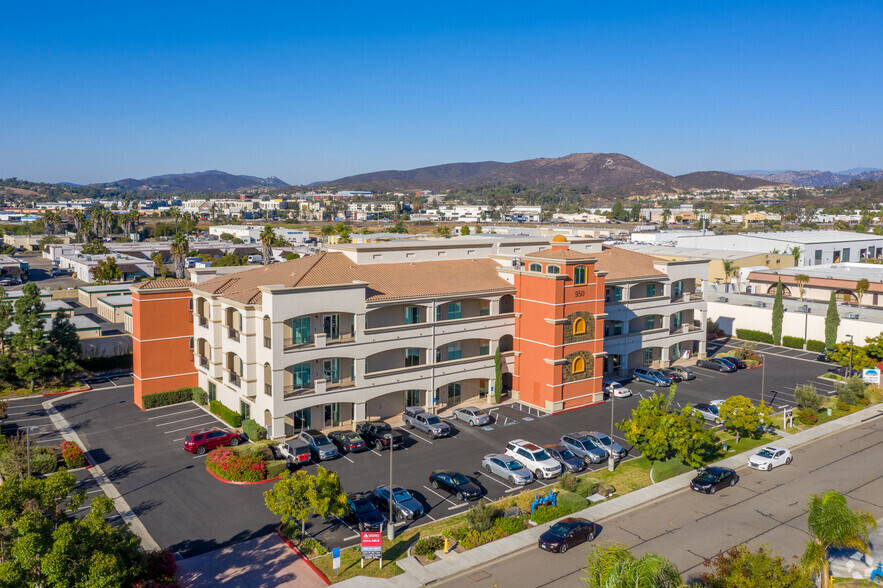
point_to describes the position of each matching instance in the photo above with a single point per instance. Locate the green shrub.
(4, 406)
(44, 460)
(792, 342)
(807, 417)
(231, 417)
(200, 396)
(509, 525)
(456, 533)
(428, 546)
(547, 512)
(262, 450)
(481, 517)
(571, 501)
(851, 391)
(170, 397)
(568, 481)
(310, 546)
(253, 431)
(276, 467)
(586, 486)
(814, 345)
(806, 396)
(752, 335)
(473, 538)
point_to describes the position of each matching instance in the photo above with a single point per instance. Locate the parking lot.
(184, 508)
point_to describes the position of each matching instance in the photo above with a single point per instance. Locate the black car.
(824, 356)
(404, 505)
(565, 457)
(363, 513)
(674, 375)
(375, 435)
(455, 483)
(348, 441)
(735, 361)
(712, 479)
(567, 533)
(715, 363)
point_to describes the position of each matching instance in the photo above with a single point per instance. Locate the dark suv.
(375, 435)
(363, 512)
(199, 442)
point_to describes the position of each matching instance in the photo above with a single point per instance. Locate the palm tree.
(834, 525)
(175, 212)
(614, 565)
(861, 287)
(795, 251)
(179, 249)
(802, 280)
(730, 270)
(267, 237)
(78, 217)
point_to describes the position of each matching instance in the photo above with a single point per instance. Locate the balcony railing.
(232, 334)
(685, 297)
(685, 328)
(203, 321)
(235, 379)
(203, 361)
(268, 342)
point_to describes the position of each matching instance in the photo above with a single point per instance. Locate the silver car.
(686, 373)
(607, 444)
(507, 468)
(709, 412)
(584, 447)
(472, 415)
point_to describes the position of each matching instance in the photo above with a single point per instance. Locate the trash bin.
(829, 412)
(724, 446)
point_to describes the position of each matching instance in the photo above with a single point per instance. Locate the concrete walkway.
(418, 575)
(265, 561)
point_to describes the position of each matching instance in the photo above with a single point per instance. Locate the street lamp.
(28, 433)
(849, 373)
(762, 376)
(390, 526)
(611, 464)
(806, 324)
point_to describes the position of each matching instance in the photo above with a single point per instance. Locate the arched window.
(535, 267)
(579, 275)
(579, 326)
(578, 366)
(553, 269)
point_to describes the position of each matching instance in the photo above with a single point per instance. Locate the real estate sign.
(372, 545)
(871, 376)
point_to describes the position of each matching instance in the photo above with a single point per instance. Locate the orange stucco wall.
(542, 302)
(162, 328)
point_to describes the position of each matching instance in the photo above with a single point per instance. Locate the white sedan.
(769, 457)
(618, 390)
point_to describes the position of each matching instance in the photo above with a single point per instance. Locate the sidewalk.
(417, 575)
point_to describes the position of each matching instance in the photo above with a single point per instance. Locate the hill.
(207, 181)
(818, 178)
(716, 180)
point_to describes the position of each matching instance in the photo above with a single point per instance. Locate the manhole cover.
(479, 576)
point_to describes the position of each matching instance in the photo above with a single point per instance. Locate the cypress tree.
(778, 315)
(832, 321)
(63, 345)
(498, 376)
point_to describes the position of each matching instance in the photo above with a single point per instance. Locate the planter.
(220, 479)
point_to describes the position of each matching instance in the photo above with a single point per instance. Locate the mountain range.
(816, 178)
(605, 172)
(207, 181)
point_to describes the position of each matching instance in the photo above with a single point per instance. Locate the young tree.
(613, 565)
(179, 249)
(801, 280)
(832, 322)
(464, 230)
(498, 376)
(851, 391)
(806, 396)
(27, 345)
(298, 496)
(159, 265)
(833, 524)
(6, 313)
(106, 271)
(635, 213)
(741, 416)
(730, 270)
(795, 252)
(739, 567)
(778, 315)
(444, 232)
(267, 238)
(618, 211)
(63, 345)
(861, 288)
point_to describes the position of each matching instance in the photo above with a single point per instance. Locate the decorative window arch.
(553, 269)
(579, 275)
(535, 267)
(579, 326)
(578, 366)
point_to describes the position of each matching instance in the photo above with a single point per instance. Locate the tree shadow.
(196, 546)
(121, 471)
(147, 506)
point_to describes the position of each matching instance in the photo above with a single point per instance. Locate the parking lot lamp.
(611, 464)
(762, 376)
(390, 525)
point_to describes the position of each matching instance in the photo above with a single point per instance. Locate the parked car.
(617, 390)
(567, 533)
(740, 365)
(607, 444)
(347, 441)
(584, 447)
(199, 442)
(507, 468)
(712, 479)
(54, 272)
(686, 373)
(674, 375)
(770, 457)
(295, 451)
(716, 363)
(709, 412)
(534, 458)
(363, 513)
(417, 417)
(824, 356)
(321, 446)
(455, 483)
(403, 504)
(568, 460)
(654, 377)
(718, 403)
(473, 416)
(376, 435)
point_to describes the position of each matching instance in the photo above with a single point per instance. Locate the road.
(765, 508)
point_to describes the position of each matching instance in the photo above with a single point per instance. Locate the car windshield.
(566, 454)
(479, 412)
(512, 466)
(589, 445)
(433, 420)
(541, 455)
(322, 441)
(560, 530)
(765, 453)
(363, 506)
(713, 409)
(401, 495)
(459, 479)
(352, 438)
(603, 439)
(706, 476)
(188, 438)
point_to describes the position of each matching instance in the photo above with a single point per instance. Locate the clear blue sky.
(310, 91)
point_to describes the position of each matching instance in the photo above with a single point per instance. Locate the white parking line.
(422, 438)
(190, 428)
(430, 516)
(348, 459)
(489, 477)
(351, 537)
(39, 418)
(9, 414)
(199, 416)
(376, 452)
(456, 506)
(436, 493)
(162, 416)
(513, 489)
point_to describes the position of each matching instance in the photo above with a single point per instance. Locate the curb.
(86, 389)
(220, 479)
(302, 556)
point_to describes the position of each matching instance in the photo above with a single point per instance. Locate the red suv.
(199, 442)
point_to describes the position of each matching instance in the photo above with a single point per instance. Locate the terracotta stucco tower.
(162, 337)
(559, 329)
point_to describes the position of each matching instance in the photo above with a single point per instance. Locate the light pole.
(849, 373)
(806, 325)
(390, 526)
(611, 463)
(762, 377)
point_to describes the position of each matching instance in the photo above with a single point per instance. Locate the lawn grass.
(746, 443)
(663, 470)
(628, 476)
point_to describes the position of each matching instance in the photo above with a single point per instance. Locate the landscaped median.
(251, 463)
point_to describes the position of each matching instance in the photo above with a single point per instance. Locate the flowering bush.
(807, 417)
(73, 455)
(230, 465)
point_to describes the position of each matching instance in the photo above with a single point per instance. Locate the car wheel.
(433, 436)
(591, 536)
(435, 484)
(537, 473)
(472, 423)
(459, 496)
(511, 479)
(234, 441)
(200, 450)
(717, 421)
(487, 468)
(410, 425)
(563, 548)
(713, 490)
(733, 479)
(788, 461)
(769, 467)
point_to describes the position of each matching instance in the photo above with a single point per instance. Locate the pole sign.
(372, 546)
(787, 418)
(871, 376)
(335, 555)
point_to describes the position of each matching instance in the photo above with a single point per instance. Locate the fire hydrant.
(447, 545)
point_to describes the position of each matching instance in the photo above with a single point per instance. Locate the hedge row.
(178, 396)
(792, 342)
(752, 335)
(230, 416)
(817, 346)
(253, 431)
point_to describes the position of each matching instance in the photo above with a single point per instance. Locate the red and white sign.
(372, 540)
